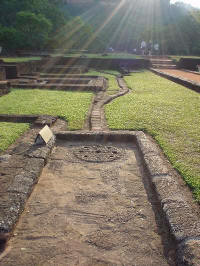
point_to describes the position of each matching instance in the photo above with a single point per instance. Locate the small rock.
(4, 158)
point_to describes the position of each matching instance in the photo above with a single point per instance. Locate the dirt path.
(182, 74)
(91, 214)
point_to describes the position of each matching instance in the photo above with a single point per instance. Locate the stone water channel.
(93, 206)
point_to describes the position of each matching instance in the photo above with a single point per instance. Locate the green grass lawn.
(167, 111)
(19, 59)
(71, 106)
(111, 76)
(9, 132)
(100, 55)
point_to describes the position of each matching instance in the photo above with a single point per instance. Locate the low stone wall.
(61, 76)
(27, 67)
(38, 120)
(189, 63)
(2, 73)
(67, 84)
(187, 83)
(18, 184)
(4, 88)
(61, 87)
(62, 69)
(65, 80)
(13, 70)
(48, 52)
(100, 63)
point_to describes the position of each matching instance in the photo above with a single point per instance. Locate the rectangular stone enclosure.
(95, 190)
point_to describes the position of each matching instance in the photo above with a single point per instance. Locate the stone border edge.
(21, 187)
(40, 119)
(183, 222)
(187, 83)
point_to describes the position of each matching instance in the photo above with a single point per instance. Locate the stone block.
(155, 165)
(12, 205)
(4, 87)
(2, 73)
(181, 218)
(189, 252)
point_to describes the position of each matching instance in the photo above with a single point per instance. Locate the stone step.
(165, 62)
(152, 57)
(27, 80)
(67, 87)
(43, 75)
(62, 69)
(4, 87)
(164, 66)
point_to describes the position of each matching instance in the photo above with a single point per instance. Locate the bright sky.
(195, 3)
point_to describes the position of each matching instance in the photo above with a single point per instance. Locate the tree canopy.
(124, 24)
(98, 24)
(39, 24)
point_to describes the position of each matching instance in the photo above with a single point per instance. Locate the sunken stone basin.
(93, 205)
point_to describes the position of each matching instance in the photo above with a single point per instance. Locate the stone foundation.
(4, 87)
(99, 63)
(66, 84)
(189, 63)
(62, 69)
(2, 73)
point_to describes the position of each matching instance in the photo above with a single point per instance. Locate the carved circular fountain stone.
(97, 153)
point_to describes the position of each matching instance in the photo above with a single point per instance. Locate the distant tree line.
(124, 24)
(40, 24)
(97, 25)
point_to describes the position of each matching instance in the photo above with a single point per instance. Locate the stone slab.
(189, 252)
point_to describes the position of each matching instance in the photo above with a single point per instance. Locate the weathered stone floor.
(87, 213)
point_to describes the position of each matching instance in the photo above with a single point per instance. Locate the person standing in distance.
(143, 47)
(150, 48)
(156, 48)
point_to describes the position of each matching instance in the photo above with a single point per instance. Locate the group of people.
(149, 48)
